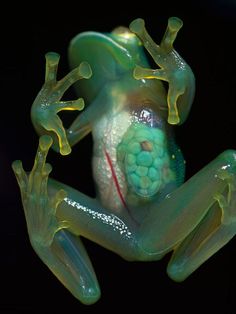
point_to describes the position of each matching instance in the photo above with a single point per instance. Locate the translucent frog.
(143, 209)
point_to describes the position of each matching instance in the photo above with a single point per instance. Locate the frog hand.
(40, 211)
(48, 102)
(173, 69)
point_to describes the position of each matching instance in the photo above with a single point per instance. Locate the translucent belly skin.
(107, 134)
(132, 163)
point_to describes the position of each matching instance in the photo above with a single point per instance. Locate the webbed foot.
(40, 211)
(48, 102)
(173, 68)
(50, 237)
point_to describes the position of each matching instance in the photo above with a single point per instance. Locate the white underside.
(107, 134)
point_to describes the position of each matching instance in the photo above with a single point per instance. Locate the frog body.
(132, 107)
(143, 208)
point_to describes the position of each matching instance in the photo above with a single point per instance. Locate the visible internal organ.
(146, 116)
(114, 177)
(109, 178)
(143, 156)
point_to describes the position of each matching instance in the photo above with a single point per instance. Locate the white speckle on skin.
(109, 219)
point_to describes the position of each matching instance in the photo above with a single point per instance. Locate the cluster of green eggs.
(142, 155)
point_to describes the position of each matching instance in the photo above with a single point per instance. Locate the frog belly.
(109, 178)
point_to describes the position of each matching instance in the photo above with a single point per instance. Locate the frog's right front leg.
(48, 103)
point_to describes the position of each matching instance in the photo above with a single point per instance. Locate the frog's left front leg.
(173, 69)
(195, 220)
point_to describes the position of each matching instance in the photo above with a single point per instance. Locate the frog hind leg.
(216, 229)
(200, 218)
(58, 248)
(57, 215)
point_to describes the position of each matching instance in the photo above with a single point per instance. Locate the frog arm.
(173, 69)
(82, 125)
(48, 103)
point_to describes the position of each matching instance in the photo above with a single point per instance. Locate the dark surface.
(206, 42)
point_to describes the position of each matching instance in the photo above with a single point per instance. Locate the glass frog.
(143, 209)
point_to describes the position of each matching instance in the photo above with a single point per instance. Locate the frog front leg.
(173, 69)
(48, 103)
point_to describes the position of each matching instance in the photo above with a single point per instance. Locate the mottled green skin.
(142, 210)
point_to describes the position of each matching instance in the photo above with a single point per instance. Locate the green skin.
(143, 210)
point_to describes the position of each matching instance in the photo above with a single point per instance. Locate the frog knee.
(227, 161)
(143, 253)
(228, 155)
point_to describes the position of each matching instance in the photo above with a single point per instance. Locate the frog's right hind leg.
(59, 249)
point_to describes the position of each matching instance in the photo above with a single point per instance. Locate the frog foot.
(173, 68)
(40, 211)
(48, 102)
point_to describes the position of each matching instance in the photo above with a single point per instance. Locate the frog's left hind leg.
(195, 220)
(214, 231)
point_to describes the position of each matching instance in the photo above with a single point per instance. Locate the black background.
(207, 44)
